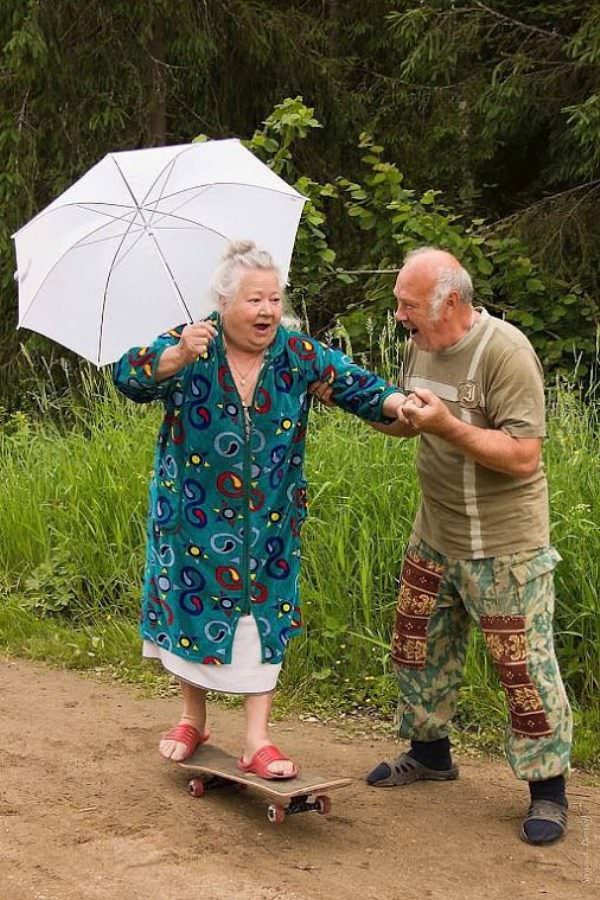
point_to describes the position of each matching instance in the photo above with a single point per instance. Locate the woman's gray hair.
(241, 257)
(447, 280)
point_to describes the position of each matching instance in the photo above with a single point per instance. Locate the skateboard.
(214, 768)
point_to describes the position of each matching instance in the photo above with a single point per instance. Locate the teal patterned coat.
(227, 502)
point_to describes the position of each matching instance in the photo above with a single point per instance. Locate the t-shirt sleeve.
(515, 400)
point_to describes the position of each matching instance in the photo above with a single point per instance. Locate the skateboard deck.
(214, 768)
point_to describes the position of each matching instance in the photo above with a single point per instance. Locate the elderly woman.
(228, 495)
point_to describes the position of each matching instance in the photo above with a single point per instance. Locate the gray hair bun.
(238, 248)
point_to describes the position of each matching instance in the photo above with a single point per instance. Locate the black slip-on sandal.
(406, 770)
(547, 822)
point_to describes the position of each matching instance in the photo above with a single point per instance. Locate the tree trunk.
(158, 111)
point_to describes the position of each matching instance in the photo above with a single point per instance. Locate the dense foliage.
(484, 118)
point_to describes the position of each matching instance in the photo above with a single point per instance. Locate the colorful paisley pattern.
(227, 505)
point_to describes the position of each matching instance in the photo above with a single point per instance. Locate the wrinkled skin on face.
(250, 319)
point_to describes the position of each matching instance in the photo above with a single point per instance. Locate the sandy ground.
(89, 810)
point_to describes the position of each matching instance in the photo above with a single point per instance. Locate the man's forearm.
(495, 449)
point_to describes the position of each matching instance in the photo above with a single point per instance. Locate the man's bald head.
(432, 259)
(440, 273)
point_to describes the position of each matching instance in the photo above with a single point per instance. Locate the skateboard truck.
(321, 804)
(276, 812)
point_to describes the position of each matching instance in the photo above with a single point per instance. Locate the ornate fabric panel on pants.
(419, 586)
(506, 639)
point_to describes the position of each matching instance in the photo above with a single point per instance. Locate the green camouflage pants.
(511, 598)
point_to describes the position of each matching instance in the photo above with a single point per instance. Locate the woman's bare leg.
(194, 713)
(258, 709)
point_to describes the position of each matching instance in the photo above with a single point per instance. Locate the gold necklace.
(243, 376)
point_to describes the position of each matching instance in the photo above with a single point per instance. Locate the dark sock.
(553, 789)
(433, 754)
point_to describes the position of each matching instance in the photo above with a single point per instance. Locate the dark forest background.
(473, 125)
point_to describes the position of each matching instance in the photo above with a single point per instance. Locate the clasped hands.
(424, 412)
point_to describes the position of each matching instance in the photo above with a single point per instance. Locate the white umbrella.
(128, 251)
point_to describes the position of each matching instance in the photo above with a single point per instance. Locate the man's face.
(413, 293)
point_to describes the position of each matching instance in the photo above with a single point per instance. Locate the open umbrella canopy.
(128, 251)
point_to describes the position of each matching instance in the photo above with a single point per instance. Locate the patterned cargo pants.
(511, 598)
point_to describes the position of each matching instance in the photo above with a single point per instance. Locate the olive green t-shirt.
(492, 379)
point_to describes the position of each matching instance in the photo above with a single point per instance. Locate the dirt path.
(88, 811)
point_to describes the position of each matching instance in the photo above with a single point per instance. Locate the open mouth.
(262, 327)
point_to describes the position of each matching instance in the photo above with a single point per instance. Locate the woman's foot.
(261, 757)
(272, 764)
(180, 742)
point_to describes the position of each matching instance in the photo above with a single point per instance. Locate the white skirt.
(246, 674)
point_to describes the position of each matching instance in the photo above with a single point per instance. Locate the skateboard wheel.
(323, 804)
(275, 814)
(196, 787)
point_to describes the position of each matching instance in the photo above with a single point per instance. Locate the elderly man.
(480, 547)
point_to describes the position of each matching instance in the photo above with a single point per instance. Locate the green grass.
(72, 534)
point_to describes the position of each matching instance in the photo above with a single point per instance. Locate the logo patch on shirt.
(469, 394)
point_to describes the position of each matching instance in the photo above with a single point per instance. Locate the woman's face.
(251, 318)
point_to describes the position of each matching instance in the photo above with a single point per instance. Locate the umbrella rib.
(105, 296)
(111, 237)
(171, 163)
(258, 187)
(89, 207)
(58, 261)
(83, 203)
(178, 294)
(181, 205)
(170, 166)
(167, 215)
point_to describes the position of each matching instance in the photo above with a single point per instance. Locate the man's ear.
(452, 300)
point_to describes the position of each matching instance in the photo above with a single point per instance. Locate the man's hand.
(394, 405)
(427, 413)
(323, 392)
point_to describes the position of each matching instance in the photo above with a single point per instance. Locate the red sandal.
(259, 764)
(188, 735)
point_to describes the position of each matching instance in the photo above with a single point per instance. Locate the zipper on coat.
(246, 606)
(247, 470)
